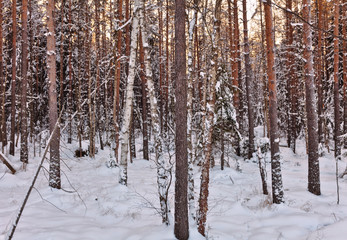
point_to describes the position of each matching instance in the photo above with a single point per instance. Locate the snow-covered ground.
(95, 206)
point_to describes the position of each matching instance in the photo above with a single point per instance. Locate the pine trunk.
(311, 109)
(144, 102)
(249, 80)
(320, 72)
(344, 32)
(13, 82)
(54, 169)
(336, 81)
(181, 183)
(24, 85)
(277, 186)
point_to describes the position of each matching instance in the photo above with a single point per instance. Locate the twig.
(49, 201)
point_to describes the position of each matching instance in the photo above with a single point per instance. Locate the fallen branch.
(7, 163)
(14, 225)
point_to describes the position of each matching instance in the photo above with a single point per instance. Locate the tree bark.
(54, 169)
(181, 183)
(311, 109)
(163, 174)
(208, 124)
(249, 80)
(13, 82)
(129, 98)
(344, 33)
(24, 85)
(144, 101)
(336, 81)
(191, 198)
(277, 186)
(2, 86)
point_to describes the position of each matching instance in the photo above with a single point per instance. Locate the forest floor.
(95, 206)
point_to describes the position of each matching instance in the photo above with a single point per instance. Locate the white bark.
(191, 198)
(129, 98)
(163, 174)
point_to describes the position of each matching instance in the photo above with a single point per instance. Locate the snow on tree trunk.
(311, 109)
(54, 167)
(125, 131)
(277, 186)
(24, 85)
(13, 81)
(336, 93)
(208, 125)
(163, 174)
(191, 198)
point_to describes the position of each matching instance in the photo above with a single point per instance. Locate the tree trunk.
(208, 124)
(336, 81)
(191, 198)
(311, 109)
(181, 183)
(344, 32)
(235, 74)
(70, 101)
(13, 82)
(277, 186)
(24, 85)
(2, 86)
(163, 174)
(129, 99)
(249, 80)
(320, 72)
(144, 102)
(54, 169)
(116, 100)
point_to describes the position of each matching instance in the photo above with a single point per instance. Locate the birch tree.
(190, 76)
(125, 130)
(163, 171)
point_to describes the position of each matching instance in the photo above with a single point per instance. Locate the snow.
(103, 209)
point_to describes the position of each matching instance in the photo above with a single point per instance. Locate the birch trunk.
(125, 131)
(312, 117)
(163, 174)
(191, 198)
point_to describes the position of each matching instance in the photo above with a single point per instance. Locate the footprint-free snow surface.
(94, 206)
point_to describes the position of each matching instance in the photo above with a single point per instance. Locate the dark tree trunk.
(311, 109)
(249, 80)
(320, 72)
(13, 85)
(2, 87)
(336, 81)
(181, 184)
(54, 168)
(344, 32)
(277, 186)
(144, 102)
(24, 85)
